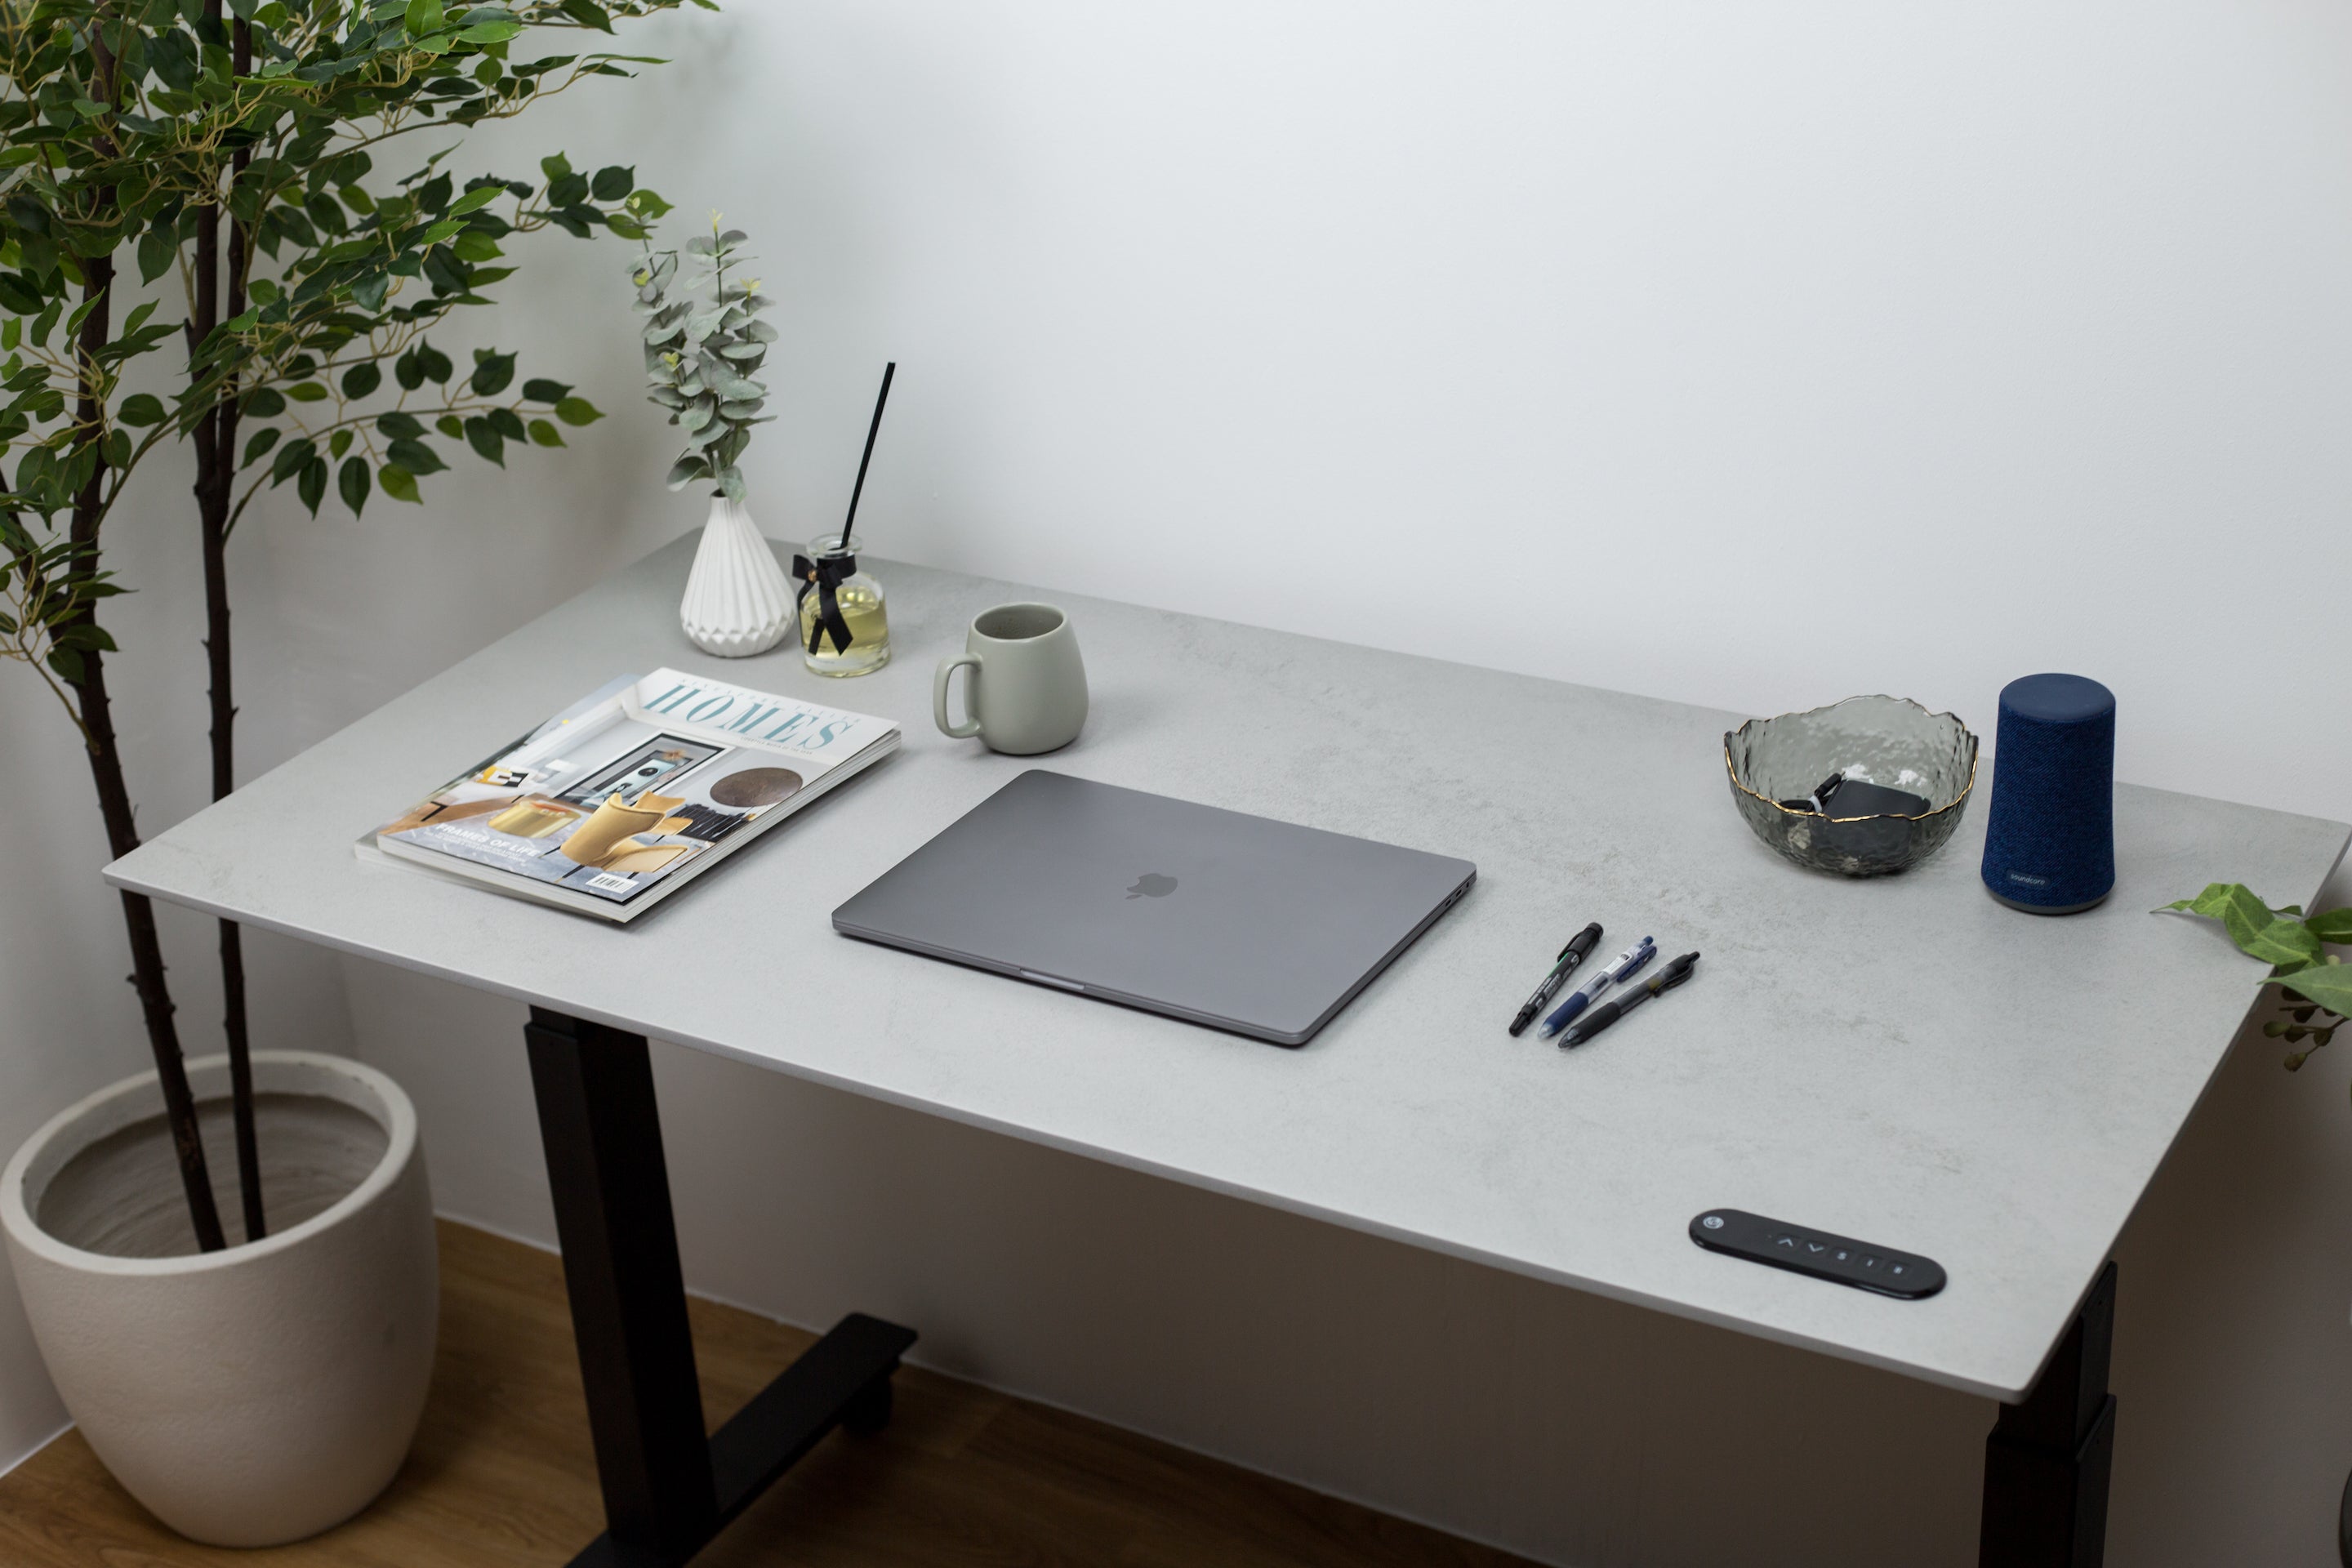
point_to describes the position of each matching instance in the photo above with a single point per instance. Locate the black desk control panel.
(1840, 1259)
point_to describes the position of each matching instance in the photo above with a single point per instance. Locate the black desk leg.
(667, 1490)
(2045, 1484)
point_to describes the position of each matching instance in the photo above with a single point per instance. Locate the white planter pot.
(261, 1393)
(737, 600)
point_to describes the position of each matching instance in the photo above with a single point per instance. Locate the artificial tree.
(236, 152)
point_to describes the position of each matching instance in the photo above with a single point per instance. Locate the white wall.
(1744, 355)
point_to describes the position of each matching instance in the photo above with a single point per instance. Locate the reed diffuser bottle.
(856, 610)
(845, 627)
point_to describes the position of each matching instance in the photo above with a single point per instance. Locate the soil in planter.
(120, 1197)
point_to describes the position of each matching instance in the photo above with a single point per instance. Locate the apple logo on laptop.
(1152, 885)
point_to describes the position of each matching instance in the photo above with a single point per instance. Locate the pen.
(1584, 995)
(1608, 1013)
(1580, 948)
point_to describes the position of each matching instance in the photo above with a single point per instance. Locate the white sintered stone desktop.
(1899, 1059)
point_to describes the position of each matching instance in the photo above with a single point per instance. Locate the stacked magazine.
(633, 792)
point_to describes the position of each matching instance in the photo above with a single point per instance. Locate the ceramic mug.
(1027, 689)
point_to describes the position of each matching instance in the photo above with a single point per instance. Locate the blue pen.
(1584, 995)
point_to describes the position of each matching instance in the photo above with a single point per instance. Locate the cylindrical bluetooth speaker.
(2050, 837)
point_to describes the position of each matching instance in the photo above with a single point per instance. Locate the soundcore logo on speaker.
(2030, 881)
(1152, 885)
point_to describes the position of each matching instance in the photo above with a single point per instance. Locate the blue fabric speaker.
(2050, 840)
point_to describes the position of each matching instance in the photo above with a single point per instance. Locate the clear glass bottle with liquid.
(859, 599)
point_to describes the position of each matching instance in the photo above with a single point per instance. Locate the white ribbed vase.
(737, 600)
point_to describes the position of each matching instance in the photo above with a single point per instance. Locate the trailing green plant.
(231, 154)
(704, 346)
(2315, 985)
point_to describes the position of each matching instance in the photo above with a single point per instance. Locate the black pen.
(1608, 1013)
(1580, 948)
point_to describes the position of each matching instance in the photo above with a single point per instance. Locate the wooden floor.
(501, 1474)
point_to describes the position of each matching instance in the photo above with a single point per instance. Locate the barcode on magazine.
(606, 882)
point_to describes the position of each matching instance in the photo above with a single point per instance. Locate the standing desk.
(1900, 1059)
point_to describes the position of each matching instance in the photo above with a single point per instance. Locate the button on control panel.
(1838, 1258)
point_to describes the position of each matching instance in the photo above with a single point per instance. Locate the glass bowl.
(1788, 774)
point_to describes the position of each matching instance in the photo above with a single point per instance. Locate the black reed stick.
(871, 431)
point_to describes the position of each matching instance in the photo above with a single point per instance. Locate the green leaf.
(424, 16)
(506, 422)
(312, 486)
(338, 443)
(2329, 984)
(140, 410)
(437, 368)
(486, 440)
(260, 442)
(647, 204)
(290, 458)
(492, 371)
(476, 246)
(398, 483)
(2259, 932)
(588, 14)
(578, 411)
(409, 371)
(399, 427)
(307, 392)
(363, 379)
(353, 482)
(613, 183)
(264, 402)
(489, 33)
(538, 389)
(479, 196)
(416, 457)
(545, 433)
(155, 256)
(2331, 925)
(555, 167)
(449, 424)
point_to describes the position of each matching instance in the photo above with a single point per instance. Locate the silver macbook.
(1260, 927)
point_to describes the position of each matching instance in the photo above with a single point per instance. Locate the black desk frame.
(668, 1489)
(2046, 1463)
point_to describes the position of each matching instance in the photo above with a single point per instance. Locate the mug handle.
(970, 726)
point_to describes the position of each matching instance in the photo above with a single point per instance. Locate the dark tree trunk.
(114, 805)
(215, 440)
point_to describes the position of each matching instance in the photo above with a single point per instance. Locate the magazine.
(632, 792)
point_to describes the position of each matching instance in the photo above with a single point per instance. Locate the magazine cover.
(632, 790)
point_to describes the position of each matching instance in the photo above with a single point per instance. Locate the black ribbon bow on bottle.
(824, 575)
